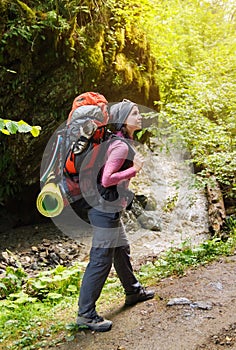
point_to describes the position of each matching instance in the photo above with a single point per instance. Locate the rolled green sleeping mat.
(49, 201)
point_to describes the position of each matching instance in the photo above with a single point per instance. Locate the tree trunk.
(216, 207)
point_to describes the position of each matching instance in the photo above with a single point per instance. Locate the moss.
(94, 34)
(136, 37)
(146, 86)
(95, 59)
(123, 65)
(120, 39)
(3, 5)
(30, 14)
(117, 80)
(72, 33)
(138, 79)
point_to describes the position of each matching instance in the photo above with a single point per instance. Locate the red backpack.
(76, 151)
(89, 114)
(91, 99)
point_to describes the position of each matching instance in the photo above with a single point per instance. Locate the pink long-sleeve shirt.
(117, 153)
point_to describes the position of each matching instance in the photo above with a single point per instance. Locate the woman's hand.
(138, 162)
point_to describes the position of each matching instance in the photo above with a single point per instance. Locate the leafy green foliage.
(194, 46)
(8, 127)
(12, 282)
(28, 301)
(51, 284)
(63, 281)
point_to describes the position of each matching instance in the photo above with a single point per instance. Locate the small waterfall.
(181, 208)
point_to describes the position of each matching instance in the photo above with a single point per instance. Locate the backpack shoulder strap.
(114, 137)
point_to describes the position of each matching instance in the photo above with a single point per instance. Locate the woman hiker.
(110, 244)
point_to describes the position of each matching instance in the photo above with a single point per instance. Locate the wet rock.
(54, 258)
(130, 222)
(142, 214)
(179, 301)
(149, 221)
(147, 202)
(43, 254)
(26, 259)
(63, 256)
(2, 265)
(5, 256)
(46, 242)
(34, 267)
(204, 305)
(216, 285)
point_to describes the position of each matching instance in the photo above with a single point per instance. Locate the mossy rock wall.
(47, 57)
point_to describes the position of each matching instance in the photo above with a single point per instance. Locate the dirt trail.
(153, 325)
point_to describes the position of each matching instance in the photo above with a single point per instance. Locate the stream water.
(181, 207)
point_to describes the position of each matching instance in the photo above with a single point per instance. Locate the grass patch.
(176, 261)
(40, 311)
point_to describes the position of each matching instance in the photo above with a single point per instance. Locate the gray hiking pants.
(110, 246)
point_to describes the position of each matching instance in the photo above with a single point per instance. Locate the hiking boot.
(97, 323)
(141, 295)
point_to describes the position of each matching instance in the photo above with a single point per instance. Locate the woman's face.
(134, 121)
